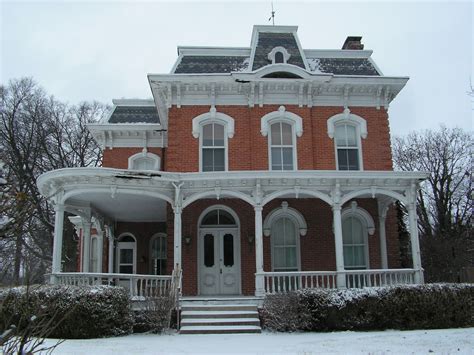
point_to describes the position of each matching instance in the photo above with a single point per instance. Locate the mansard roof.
(220, 60)
(134, 111)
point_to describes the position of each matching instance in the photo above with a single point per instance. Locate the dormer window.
(279, 55)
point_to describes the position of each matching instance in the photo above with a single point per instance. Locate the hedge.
(79, 311)
(428, 306)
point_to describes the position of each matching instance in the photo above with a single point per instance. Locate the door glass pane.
(286, 134)
(207, 135)
(276, 134)
(126, 256)
(228, 250)
(209, 250)
(126, 269)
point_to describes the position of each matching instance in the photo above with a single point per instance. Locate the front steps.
(218, 317)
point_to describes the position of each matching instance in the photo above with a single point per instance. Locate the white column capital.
(336, 207)
(258, 208)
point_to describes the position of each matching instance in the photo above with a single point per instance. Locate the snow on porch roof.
(134, 111)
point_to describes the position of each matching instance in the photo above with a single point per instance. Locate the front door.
(219, 262)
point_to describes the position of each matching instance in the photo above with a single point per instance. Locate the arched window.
(347, 130)
(158, 255)
(347, 147)
(213, 147)
(213, 129)
(218, 217)
(144, 161)
(279, 55)
(355, 241)
(283, 127)
(285, 246)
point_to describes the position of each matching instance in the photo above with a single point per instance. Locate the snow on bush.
(83, 311)
(401, 307)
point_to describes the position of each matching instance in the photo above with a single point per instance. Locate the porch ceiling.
(123, 206)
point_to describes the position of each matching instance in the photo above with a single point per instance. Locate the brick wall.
(118, 157)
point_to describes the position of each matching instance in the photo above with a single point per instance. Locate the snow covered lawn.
(441, 341)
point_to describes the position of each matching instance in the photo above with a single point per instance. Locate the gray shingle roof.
(343, 66)
(267, 41)
(134, 114)
(211, 64)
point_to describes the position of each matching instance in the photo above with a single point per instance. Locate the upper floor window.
(213, 148)
(144, 161)
(347, 147)
(279, 55)
(283, 127)
(347, 130)
(213, 129)
(282, 146)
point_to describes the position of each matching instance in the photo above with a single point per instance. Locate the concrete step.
(216, 300)
(219, 314)
(220, 329)
(219, 307)
(220, 321)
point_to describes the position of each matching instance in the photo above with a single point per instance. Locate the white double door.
(219, 262)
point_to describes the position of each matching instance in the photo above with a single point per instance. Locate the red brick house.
(253, 170)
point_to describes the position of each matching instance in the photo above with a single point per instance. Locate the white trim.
(297, 237)
(285, 211)
(283, 51)
(355, 210)
(213, 51)
(213, 117)
(347, 117)
(133, 102)
(145, 154)
(337, 53)
(177, 62)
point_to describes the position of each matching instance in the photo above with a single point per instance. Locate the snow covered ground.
(442, 341)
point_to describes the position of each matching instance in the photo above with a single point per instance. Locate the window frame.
(279, 49)
(366, 241)
(201, 146)
(358, 148)
(154, 237)
(126, 245)
(281, 146)
(297, 237)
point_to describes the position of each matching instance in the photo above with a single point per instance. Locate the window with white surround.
(158, 254)
(213, 130)
(347, 147)
(347, 130)
(144, 161)
(213, 147)
(285, 251)
(282, 128)
(126, 254)
(279, 55)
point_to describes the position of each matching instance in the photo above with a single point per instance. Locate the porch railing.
(281, 282)
(139, 286)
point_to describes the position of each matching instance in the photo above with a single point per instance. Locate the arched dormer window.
(279, 55)
(144, 161)
(357, 224)
(347, 130)
(282, 128)
(213, 129)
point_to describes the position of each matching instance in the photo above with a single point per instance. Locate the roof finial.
(272, 17)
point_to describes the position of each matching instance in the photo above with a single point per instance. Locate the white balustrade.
(281, 282)
(138, 285)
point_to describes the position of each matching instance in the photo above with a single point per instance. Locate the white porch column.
(58, 238)
(383, 239)
(339, 246)
(86, 240)
(259, 279)
(110, 238)
(177, 238)
(415, 243)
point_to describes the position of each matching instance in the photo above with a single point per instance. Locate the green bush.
(428, 306)
(79, 311)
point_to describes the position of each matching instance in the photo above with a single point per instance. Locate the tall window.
(213, 147)
(158, 254)
(284, 245)
(347, 146)
(281, 146)
(354, 235)
(94, 255)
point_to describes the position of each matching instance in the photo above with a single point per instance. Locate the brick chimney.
(353, 42)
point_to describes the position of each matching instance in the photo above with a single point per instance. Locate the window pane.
(228, 250)
(279, 57)
(207, 160)
(286, 134)
(290, 235)
(341, 136)
(209, 250)
(276, 159)
(351, 136)
(127, 238)
(278, 233)
(290, 261)
(279, 257)
(348, 257)
(287, 158)
(353, 159)
(207, 135)
(276, 134)
(225, 218)
(346, 231)
(359, 256)
(357, 236)
(218, 135)
(126, 256)
(210, 218)
(219, 161)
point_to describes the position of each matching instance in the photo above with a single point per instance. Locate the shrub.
(402, 307)
(83, 311)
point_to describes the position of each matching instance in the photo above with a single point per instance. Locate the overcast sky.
(102, 50)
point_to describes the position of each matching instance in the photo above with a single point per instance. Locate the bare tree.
(444, 203)
(37, 133)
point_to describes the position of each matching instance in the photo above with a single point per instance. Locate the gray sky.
(102, 50)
